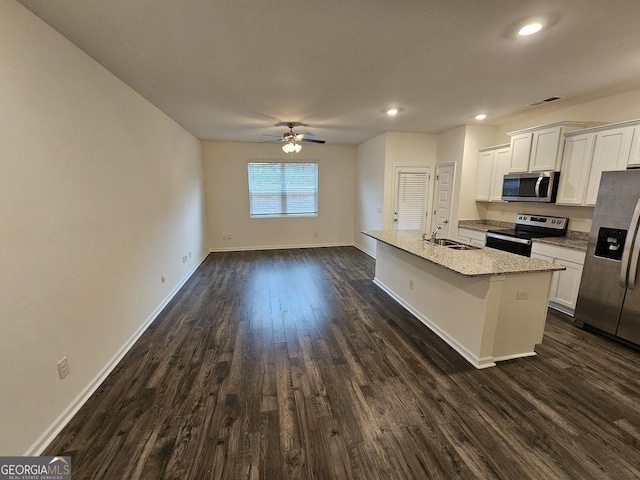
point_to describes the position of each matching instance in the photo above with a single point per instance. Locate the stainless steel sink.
(445, 242)
(462, 247)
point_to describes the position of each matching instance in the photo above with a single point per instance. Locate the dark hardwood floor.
(292, 364)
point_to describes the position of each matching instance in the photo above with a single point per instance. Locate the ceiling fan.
(293, 139)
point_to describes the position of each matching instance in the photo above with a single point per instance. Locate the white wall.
(476, 137)
(405, 149)
(369, 191)
(227, 193)
(614, 108)
(611, 109)
(101, 194)
(376, 160)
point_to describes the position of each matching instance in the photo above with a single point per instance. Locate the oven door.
(519, 246)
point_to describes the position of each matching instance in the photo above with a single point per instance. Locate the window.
(281, 189)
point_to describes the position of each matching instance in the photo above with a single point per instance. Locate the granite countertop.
(484, 225)
(470, 263)
(573, 240)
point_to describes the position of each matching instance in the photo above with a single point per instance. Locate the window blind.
(412, 201)
(283, 189)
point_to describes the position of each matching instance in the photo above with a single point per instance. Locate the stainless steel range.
(518, 240)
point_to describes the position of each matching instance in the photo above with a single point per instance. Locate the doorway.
(445, 176)
(411, 198)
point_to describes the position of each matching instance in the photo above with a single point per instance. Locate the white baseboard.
(364, 250)
(280, 247)
(479, 363)
(511, 357)
(54, 429)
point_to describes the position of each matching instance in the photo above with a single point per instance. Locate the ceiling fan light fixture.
(291, 147)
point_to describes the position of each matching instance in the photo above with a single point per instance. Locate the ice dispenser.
(610, 243)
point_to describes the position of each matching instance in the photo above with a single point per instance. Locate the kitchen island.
(487, 304)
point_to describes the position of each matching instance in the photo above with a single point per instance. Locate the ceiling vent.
(546, 100)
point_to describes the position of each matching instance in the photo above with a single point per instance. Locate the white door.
(445, 175)
(410, 200)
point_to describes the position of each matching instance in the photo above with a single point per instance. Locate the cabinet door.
(483, 175)
(575, 169)
(567, 284)
(634, 157)
(501, 165)
(477, 243)
(545, 150)
(520, 151)
(611, 152)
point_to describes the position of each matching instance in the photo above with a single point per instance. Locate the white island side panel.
(478, 316)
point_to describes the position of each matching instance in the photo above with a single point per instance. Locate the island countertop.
(470, 263)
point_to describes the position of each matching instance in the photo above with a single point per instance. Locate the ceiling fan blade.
(311, 140)
(276, 136)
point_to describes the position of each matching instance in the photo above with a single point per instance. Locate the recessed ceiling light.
(530, 29)
(392, 111)
(481, 116)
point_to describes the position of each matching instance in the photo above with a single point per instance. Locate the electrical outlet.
(410, 284)
(184, 259)
(522, 295)
(63, 367)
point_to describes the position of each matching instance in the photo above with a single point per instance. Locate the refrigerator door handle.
(633, 267)
(631, 242)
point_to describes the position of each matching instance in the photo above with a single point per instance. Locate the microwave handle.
(537, 188)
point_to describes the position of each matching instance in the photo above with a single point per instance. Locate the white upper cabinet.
(501, 164)
(520, 152)
(484, 174)
(611, 152)
(546, 150)
(587, 154)
(575, 169)
(634, 156)
(540, 149)
(493, 164)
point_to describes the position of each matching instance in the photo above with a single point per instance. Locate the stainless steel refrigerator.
(609, 296)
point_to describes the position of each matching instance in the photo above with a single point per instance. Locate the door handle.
(537, 187)
(633, 266)
(630, 242)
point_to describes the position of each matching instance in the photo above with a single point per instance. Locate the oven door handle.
(522, 241)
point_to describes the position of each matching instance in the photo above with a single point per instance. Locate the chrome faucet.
(433, 234)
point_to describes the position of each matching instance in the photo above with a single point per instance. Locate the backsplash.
(579, 217)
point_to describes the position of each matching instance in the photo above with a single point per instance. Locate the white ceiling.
(232, 69)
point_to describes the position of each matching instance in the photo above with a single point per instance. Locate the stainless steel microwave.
(530, 187)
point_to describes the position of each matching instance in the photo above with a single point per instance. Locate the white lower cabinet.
(476, 238)
(565, 284)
